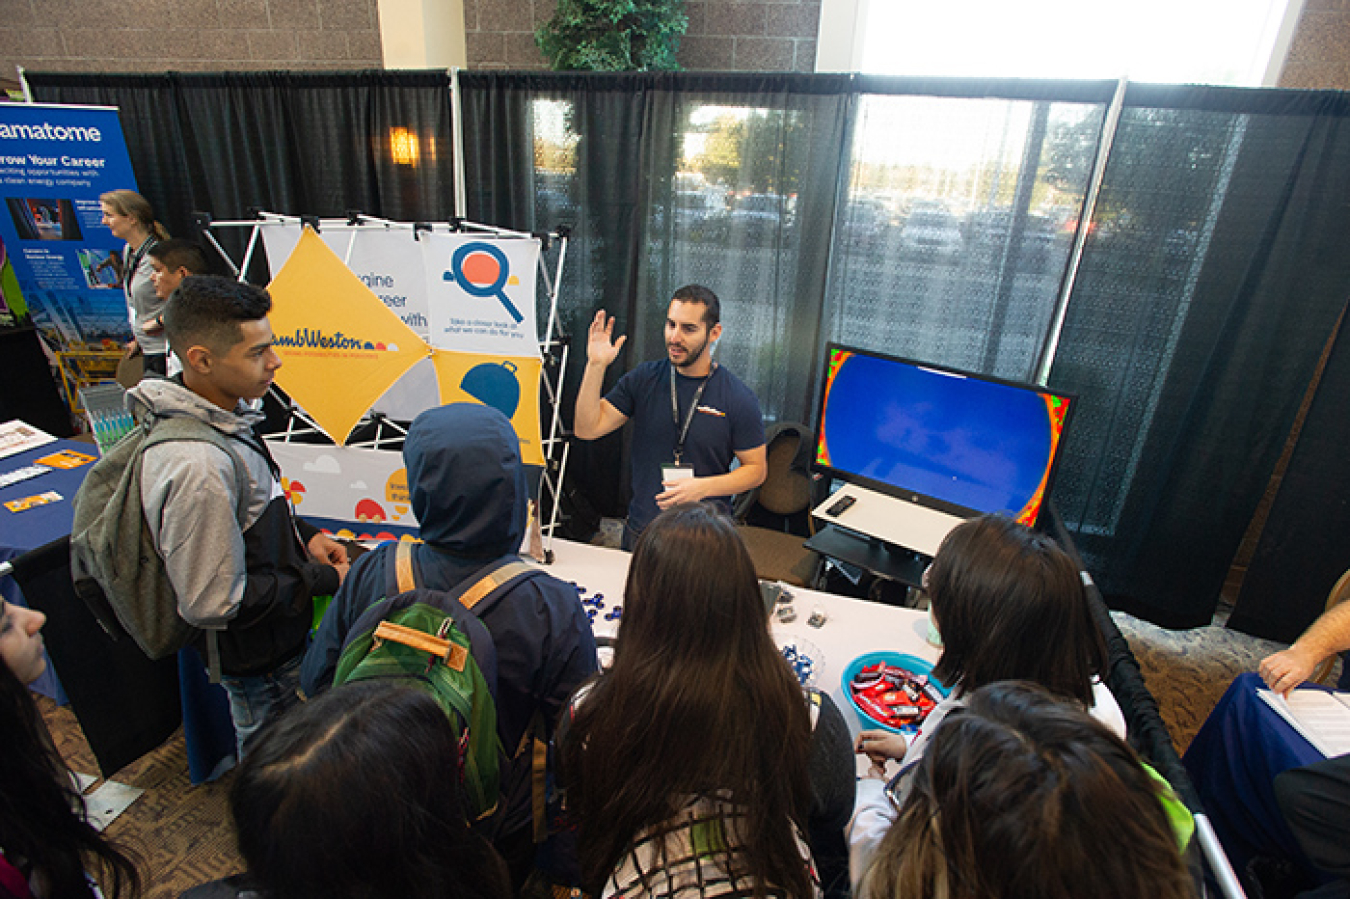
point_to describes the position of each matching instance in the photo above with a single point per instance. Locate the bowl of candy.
(803, 657)
(891, 690)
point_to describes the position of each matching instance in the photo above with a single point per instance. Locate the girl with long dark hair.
(47, 844)
(1010, 605)
(686, 764)
(1023, 796)
(356, 795)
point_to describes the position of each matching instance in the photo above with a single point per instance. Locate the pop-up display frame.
(554, 347)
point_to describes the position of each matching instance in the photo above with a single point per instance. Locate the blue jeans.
(630, 537)
(256, 699)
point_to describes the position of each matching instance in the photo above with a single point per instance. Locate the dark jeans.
(630, 537)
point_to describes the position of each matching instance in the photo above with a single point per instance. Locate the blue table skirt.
(208, 729)
(31, 528)
(1233, 761)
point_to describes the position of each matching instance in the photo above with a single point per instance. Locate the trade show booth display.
(376, 321)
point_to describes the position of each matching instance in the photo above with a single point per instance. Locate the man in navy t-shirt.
(691, 417)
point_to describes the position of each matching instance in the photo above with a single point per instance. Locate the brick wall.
(499, 34)
(1319, 55)
(216, 35)
(187, 35)
(751, 37)
(723, 35)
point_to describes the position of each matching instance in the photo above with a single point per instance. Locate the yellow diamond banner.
(340, 347)
(509, 384)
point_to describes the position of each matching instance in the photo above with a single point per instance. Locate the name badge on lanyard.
(688, 420)
(671, 474)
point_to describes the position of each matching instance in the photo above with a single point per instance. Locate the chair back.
(1338, 594)
(787, 487)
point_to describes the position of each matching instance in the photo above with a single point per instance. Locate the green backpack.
(434, 641)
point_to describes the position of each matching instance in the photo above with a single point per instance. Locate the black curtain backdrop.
(30, 391)
(627, 253)
(288, 142)
(1305, 546)
(1194, 329)
(1211, 278)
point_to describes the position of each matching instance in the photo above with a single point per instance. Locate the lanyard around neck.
(693, 407)
(133, 261)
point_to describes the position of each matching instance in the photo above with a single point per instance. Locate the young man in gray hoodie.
(237, 563)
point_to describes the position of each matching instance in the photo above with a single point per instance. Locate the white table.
(853, 626)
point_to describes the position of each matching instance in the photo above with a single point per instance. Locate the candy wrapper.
(804, 658)
(894, 696)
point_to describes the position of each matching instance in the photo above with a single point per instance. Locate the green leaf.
(613, 35)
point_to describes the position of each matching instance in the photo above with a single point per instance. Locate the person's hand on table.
(1284, 670)
(880, 746)
(323, 548)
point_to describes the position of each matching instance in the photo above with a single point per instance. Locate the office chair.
(775, 518)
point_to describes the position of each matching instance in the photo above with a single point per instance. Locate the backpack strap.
(402, 577)
(494, 580)
(186, 427)
(813, 705)
(534, 738)
(488, 584)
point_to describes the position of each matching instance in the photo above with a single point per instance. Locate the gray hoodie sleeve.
(188, 492)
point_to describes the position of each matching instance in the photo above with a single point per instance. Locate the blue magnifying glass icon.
(485, 277)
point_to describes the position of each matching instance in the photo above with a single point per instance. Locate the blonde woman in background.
(129, 216)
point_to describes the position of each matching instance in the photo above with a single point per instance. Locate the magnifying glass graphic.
(482, 271)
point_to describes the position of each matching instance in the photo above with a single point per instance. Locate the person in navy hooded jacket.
(469, 494)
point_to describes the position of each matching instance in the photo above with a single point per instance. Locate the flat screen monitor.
(945, 439)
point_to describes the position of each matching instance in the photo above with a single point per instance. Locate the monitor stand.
(873, 556)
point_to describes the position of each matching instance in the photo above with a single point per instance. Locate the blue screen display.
(982, 445)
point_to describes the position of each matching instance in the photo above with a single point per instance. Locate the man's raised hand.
(601, 347)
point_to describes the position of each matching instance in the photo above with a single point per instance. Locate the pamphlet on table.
(1323, 718)
(19, 436)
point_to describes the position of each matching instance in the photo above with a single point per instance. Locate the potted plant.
(613, 35)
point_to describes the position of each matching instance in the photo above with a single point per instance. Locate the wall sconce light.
(403, 146)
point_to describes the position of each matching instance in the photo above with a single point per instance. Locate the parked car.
(932, 232)
(867, 223)
(700, 214)
(759, 218)
(990, 231)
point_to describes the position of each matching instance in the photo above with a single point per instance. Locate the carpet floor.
(179, 834)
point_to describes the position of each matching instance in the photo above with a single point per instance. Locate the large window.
(957, 224)
(1167, 41)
